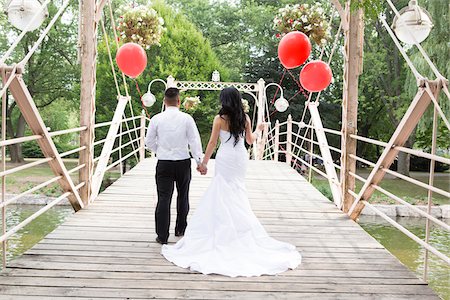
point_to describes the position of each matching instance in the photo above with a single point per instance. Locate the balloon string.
(300, 87)
(140, 97)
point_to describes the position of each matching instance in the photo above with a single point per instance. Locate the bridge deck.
(108, 250)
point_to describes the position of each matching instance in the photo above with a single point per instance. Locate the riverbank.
(391, 210)
(437, 211)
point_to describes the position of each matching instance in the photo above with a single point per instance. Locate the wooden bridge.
(107, 250)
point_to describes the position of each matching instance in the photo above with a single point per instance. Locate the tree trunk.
(15, 151)
(403, 162)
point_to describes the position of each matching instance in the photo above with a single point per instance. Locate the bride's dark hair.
(233, 109)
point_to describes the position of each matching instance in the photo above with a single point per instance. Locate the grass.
(407, 191)
(23, 180)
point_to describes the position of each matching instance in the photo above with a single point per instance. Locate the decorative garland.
(309, 19)
(141, 25)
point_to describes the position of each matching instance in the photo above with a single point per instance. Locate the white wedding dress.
(224, 236)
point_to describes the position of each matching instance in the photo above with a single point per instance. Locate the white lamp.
(413, 25)
(281, 104)
(148, 99)
(215, 76)
(22, 12)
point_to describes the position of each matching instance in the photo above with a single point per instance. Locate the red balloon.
(131, 59)
(316, 76)
(294, 49)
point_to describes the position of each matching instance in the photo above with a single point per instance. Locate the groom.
(170, 135)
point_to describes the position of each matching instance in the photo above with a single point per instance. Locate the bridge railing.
(299, 145)
(128, 145)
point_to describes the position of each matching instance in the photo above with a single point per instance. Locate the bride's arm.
(250, 136)
(212, 140)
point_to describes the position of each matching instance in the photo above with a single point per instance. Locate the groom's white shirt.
(172, 133)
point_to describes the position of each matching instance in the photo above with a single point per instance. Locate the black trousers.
(168, 173)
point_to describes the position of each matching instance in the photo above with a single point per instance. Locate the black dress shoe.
(159, 241)
(179, 233)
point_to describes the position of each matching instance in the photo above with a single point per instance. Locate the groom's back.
(172, 132)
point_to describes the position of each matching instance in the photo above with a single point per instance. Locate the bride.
(224, 236)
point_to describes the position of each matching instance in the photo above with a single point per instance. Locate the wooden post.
(258, 146)
(142, 138)
(34, 120)
(4, 110)
(409, 121)
(352, 69)
(276, 141)
(431, 183)
(88, 52)
(289, 141)
(102, 163)
(325, 151)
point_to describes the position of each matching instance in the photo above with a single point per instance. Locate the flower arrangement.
(190, 102)
(141, 25)
(309, 19)
(245, 105)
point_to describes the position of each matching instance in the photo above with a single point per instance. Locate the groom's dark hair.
(171, 95)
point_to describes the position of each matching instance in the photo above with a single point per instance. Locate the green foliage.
(184, 53)
(371, 8)
(311, 20)
(439, 53)
(52, 75)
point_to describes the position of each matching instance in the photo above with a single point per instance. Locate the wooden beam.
(352, 69)
(32, 116)
(342, 13)
(276, 147)
(289, 141)
(99, 9)
(100, 170)
(142, 137)
(326, 154)
(88, 39)
(409, 121)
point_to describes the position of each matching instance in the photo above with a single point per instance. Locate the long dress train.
(224, 236)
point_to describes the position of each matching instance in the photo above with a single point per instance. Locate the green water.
(410, 253)
(36, 230)
(396, 242)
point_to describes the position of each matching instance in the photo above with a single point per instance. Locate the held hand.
(202, 169)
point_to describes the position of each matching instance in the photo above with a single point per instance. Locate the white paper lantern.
(22, 12)
(281, 104)
(148, 99)
(215, 76)
(413, 25)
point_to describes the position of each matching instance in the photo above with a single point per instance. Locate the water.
(410, 253)
(36, 230)
(406, 250)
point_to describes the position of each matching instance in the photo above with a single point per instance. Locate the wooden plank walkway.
(108, 250)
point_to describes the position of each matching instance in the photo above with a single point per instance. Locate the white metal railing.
(301, 157)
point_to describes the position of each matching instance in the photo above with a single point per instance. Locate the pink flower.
(277, 35)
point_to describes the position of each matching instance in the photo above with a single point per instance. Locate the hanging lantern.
(148, 99)
(215, 76)
(22, 12)
(281, 104)
(413, 25)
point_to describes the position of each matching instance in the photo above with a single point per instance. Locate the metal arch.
(215, 86)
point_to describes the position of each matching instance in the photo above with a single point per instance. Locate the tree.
(439, 54)
(51, 74)
(184, 53)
